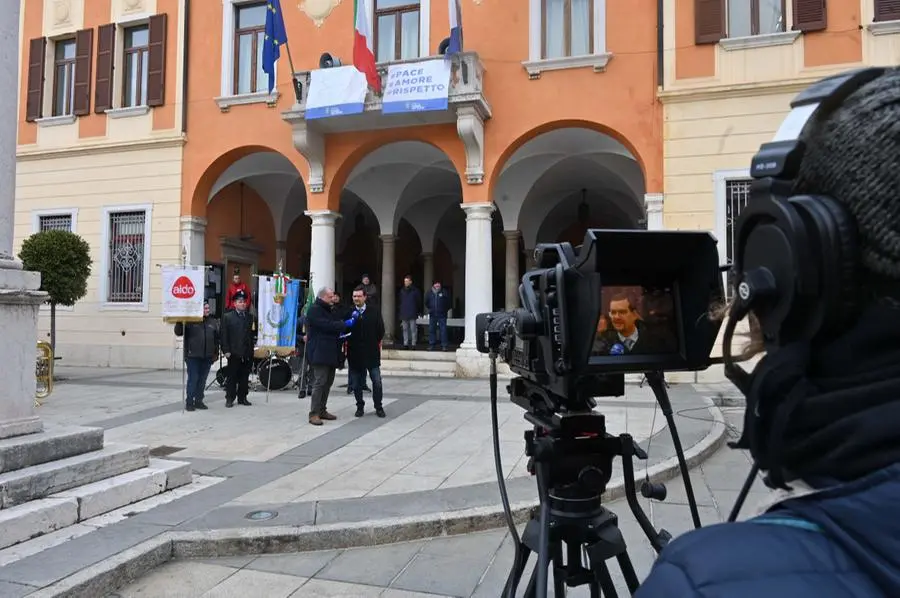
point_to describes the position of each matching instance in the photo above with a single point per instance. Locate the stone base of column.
(20, 300)
(470, 363)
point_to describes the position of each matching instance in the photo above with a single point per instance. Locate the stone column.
(20, 298)
(512, 268)
(9, 71)
(478, 266)
(193, 239)
(653, 206)
(427, 271)
(388, 292)
(321, 259)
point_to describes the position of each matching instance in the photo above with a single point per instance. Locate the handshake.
(353, 318)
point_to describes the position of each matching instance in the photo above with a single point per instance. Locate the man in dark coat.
(410, 309)
(364, 351)
(237, 345)
(821, 416)
(324, 328)
(200, 349)
(437, 302)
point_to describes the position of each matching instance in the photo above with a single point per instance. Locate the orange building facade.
(561, 115)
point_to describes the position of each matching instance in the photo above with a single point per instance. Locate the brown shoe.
(315, 420)
(328, 416)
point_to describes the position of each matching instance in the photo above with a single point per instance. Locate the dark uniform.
(237, 344)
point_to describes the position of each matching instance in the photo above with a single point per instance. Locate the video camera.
(628, 301)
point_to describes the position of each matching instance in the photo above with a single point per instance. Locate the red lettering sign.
(183, 288)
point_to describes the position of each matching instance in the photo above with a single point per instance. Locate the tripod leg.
(559, 568)
(631, 578)
(604, 580)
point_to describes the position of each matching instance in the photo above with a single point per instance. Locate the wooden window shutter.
(156, 63)
(810, 15)
(709, 21)
(84, 56)
(887, 10)
(103, 88)
(34, 102)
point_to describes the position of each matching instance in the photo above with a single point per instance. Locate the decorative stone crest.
(132, 5)
(62, 12)
(318, 10)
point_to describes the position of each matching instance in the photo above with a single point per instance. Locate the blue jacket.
(840, 542)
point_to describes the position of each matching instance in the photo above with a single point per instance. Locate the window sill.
(124, 307)
(767, 40)
(884, 27)
(597, 61)
(261, 97)
(128, 112)
(56, 121)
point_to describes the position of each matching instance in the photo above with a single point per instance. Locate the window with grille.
(127, 245)
(737, 193)
(55, 222)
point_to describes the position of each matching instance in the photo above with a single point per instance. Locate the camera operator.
(822, 417)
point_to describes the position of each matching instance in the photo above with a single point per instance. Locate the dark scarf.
(832, 413)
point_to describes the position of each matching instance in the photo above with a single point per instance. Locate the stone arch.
(548, 127)
(214, 170)
(350, 165)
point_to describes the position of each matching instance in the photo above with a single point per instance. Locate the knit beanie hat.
(854, 157)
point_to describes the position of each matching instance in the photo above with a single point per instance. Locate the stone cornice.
(743, 90)
(28, 153)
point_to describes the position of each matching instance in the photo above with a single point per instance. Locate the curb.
(112, 573)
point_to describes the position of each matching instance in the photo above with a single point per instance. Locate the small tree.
(64, 261)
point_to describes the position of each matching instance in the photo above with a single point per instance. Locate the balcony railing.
(466, 89)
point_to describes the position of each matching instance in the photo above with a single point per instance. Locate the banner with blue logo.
(277, 312)
(417, 87)
(336, 92)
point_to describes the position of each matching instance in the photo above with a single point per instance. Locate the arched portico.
(250, 208)
(559, 184)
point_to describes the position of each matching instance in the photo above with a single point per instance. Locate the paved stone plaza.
(429, 458)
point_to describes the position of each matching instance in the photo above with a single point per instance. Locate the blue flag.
(275, 36)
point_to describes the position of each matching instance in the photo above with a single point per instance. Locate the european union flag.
(275, 36)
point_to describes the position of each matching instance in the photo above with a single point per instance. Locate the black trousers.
(237, 382)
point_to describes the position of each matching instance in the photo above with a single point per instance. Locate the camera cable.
(509, 590)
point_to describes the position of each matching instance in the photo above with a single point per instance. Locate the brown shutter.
(156, 68)
(84, 55)
(709, 21)
(809, 15)
(103, 88)
(34, 102)
(887, 10)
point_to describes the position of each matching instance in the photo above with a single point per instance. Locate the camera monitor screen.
(636, 320)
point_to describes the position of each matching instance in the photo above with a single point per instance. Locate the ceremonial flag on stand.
(277, 309)
(456, 33)
(363, 44)
(275, 34)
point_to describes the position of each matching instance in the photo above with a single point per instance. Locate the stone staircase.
(64, 475)
(425, 364)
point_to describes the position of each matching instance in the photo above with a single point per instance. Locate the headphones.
(796, 256)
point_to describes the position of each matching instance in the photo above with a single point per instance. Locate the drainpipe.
(660, 61)
(186, 40)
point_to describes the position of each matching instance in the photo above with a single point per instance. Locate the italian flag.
(363, 40)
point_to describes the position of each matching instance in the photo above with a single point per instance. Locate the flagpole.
(295, 83)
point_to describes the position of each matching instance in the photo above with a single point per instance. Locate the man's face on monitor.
(622, 316)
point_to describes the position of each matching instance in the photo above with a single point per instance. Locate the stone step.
(411, 368)
(40, 481)
(54, 443)
(60, 510)
(402, 355)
